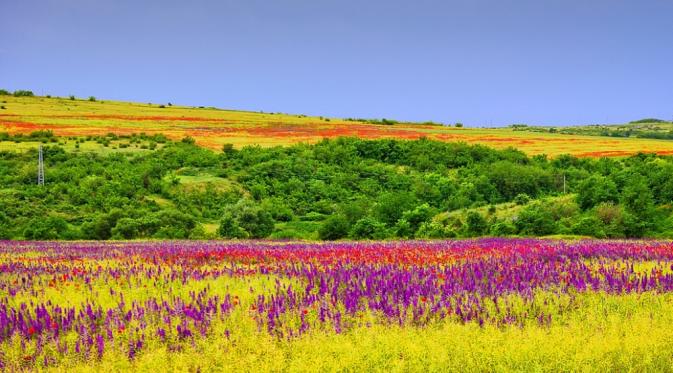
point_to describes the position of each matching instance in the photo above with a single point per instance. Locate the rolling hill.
(212, 127)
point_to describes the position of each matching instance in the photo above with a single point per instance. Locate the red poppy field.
(213, 128)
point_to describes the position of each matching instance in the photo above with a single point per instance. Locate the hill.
(212, 127)
(141, 186)
(647, 128)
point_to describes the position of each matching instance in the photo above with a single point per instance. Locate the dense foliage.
(342, 188)
(648, 128)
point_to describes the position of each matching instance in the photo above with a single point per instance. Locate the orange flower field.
(212, 127)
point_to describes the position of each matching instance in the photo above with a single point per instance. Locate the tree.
(50, 228)
(369, 228)
(419, 215)
(503, 229)
(246, 218)
(334, 228)
(595, 190)
(512, 179)
(5, 233)
(100, 228)
(535, 220)
(390, 206)
(228, 149)
(173, 224)
(475, 224)
(433, 230)
(403, 229)
(23, 93)
(521, 199)
(126, 228)
(229, 227)
(589, 225)
(639, 209)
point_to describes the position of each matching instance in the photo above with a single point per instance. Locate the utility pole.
(40, 168)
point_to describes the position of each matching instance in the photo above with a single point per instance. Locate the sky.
(479, 62)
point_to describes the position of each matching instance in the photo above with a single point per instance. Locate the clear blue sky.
(480, 62)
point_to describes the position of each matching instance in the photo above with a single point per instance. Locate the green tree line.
(342, 188)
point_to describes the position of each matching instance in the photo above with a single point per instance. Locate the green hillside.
(139, 186)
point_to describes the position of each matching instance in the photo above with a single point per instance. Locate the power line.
(40, 168)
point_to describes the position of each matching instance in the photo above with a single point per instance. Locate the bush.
(228, 149)
(50, 228)
(433, 229)
(594, 190)
(23, 93)
(278, 209)
(126, 228)
(199, 233)
(91, 98)
(229, 227)
(4, 92)
(390, 207)
(333, 228)
(503, 229)
(71, 97)
(475, 224)
(535, 220)
(521, 199)
(369, 228)
(245, 219)
(589, 226)
(608, 213)
(286, 234)
(5, 232)
(403, 229)
(419, 215)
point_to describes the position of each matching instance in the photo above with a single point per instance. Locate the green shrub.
(23, 93)
(245, 219)
(229, 227)
(521, 199)
(595, 190)
(535, 220)
(403, 229)
(312, 216)
(589, 225)
(503, 229)
(434, 230)
(368, 228)
(333, 228)
(475, 224)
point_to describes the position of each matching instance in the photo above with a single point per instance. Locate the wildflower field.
(212, 128)
(473, 305)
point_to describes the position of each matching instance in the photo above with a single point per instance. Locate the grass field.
(84, 146)
(484, 305)
(212, 127)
